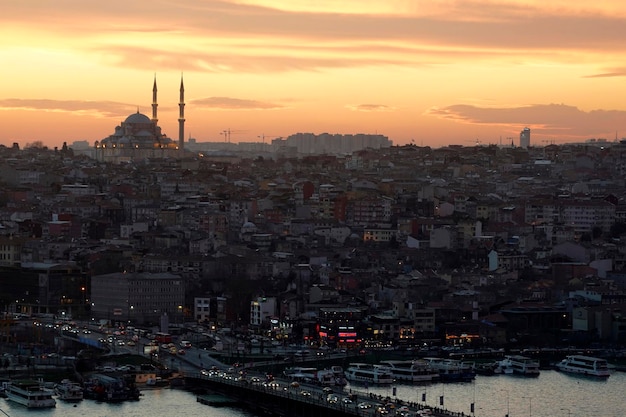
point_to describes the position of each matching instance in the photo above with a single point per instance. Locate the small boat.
(69, 391)
(30, 394)
(519, 365)
(584, 365)
(367, 373)
(452, 370)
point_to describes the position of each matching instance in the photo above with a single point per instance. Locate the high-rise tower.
(524, 138)
(154, 102)
(181, 116)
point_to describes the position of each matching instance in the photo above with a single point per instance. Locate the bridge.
(282, 397)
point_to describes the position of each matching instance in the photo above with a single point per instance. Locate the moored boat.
(584, 365)
(69, 391)
(411, 370)
(30, 394)
(452, 370)
(519, 365)
(367, 373)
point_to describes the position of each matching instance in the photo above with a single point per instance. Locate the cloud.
(252, 59)
(228, 103)
(371, 108)
(76, 107)
(266, 35)
(545, 118)
(614, 72)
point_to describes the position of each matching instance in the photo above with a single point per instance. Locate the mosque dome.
(137, 118)
(248, 227)
(143, 133)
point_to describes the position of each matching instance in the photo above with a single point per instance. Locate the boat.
(411, 370)
(69, 391)
(302, 374)
(487, 368)
(452, 370)
(368, 373)
(325, 377)
(519, 365)
(584, 365)
(30, 394)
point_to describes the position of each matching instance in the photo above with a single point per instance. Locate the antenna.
(263, 135)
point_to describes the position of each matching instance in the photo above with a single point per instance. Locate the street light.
(507, 401)
(530, 406)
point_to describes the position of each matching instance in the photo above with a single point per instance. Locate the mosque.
(140, 138)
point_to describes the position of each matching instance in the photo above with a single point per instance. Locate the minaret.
(181, 117)
(154, 102)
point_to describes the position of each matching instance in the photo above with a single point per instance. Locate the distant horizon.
(416, 71)
(597, 141)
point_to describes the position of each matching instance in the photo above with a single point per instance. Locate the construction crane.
(228, 132)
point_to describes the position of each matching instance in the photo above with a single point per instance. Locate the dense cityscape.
(395, 246)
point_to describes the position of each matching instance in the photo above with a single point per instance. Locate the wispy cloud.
(546, 118)
(303, 35)
(77, 107)
(228, 103)
(613, 72)
(371, 107)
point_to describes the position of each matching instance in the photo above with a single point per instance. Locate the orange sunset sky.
(428, 71)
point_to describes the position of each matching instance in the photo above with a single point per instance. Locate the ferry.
(411, 370)
(452, 370)
(367, 373)
(584, 365)
(30, 394)
(519, 365)
(69, 391)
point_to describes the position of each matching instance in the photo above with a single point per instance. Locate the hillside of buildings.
(469, 246)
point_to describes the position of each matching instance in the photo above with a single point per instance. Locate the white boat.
(367, 373)
(69, 391)
(519, 365)
(326, 377)
(302, 374)
(30, 394)
(452, 370)
(584, 365)
(411, 370)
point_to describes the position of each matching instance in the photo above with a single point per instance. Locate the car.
(130, 343)
(204, 372)
(332, 399)
(327, 390)
(305, 393)
(346, 400)
(365, 406)
(181, 351)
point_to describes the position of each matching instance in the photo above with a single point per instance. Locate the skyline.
(457, 72)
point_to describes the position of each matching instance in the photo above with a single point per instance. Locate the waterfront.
(552, 394)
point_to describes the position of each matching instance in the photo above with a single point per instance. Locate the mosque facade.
(139, 138)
